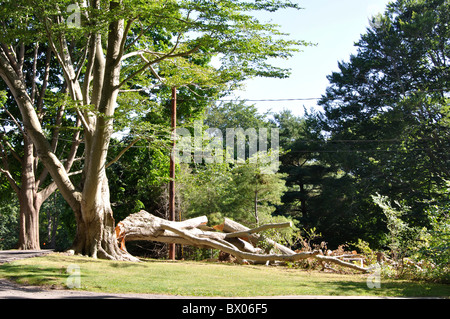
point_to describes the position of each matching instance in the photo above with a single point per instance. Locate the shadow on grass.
(32, 275)
(391, 288)
(55, 273)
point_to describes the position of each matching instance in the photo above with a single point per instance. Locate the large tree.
(112, 47)
(19, 162)
(384, 120)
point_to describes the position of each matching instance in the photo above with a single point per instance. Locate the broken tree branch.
(230, 226)
(247, 233)
(238, 253)
(227, 238)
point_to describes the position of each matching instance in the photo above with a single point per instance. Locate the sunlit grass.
(190, 278)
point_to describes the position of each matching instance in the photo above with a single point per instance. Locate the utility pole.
(172, 168)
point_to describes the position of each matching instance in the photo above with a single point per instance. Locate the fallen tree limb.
(238, 253)
(145, 226)
(230, 226)
(335, 260)
(247, 233)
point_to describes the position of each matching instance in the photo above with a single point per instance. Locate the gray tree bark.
(239, 241)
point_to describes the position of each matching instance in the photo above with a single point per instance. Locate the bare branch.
(238, 253)
(122, 152)
(33, 80)
(141, 89)
(89, 69)
(160, 57)
(247, 233)
(11, 148)
(5, 170)
(15, 121)
(134, 53)
(145, 226)
(124, 39)
(12, 58)
(82, 59)
(152, 70)
(11, 180)
(335, 260)
(21, 57)
(40, 101)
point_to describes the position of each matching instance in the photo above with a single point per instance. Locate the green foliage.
(234, 115)
(426, 248)
(364, 248)
(57, 223)
(238, 192)
(137, 179)
(435, 246)
(9, 224)
(402, 239)
(382, 130)
(437, 240)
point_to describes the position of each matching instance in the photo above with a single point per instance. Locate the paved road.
(11, 290)
(7, 256)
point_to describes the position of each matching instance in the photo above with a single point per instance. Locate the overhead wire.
(297, 99)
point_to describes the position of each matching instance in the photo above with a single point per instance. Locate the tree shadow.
(32, 275)
(391, 288)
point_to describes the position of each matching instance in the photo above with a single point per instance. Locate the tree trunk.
(95, 235)
(29, 222)
(29, 201)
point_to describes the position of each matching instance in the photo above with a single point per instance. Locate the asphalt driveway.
(7, 256)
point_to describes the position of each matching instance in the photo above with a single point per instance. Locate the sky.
(334, 25)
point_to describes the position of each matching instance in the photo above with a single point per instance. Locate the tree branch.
(15, 121)
(6, 171)
(238, 253)
(34, 130)
(40, 102)
(122, 152)
(11, 180)
(13, 152)
(247, 233)
(158, 59)
(34, 73)
(145, 226)
(12, 58)
(124, 39)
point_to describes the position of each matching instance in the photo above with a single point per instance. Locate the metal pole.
(172, 169)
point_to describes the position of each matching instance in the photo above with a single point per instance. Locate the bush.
(435, 248)
(418, 253)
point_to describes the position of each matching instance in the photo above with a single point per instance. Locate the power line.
(347, 98)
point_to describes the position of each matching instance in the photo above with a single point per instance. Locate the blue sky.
(335, 25)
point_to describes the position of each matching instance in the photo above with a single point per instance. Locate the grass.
(190, 278)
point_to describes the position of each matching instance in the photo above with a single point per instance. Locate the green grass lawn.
(190, 278)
